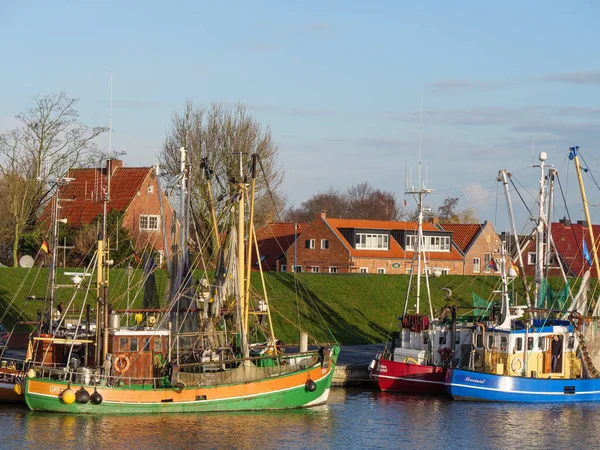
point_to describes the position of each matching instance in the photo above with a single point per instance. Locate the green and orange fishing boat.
(195, 355)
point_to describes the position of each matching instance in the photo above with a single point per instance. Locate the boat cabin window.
(146, 346)
(541, 343)
(519, 344)
(479, 341)
(123, 344)
(157, 345)
(490, 341)
(442, 339)
(571, 342)
(133, 345)
(529, 343)
(503, 341)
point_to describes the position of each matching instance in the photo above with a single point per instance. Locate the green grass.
(356, 308)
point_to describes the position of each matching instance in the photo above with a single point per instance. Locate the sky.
(345, 87)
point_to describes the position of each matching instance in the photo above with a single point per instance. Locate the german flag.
(46, 247)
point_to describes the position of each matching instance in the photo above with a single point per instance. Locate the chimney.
(112, 165)
(583, 223)
(323, 214)
(433, 220)
(566, 222)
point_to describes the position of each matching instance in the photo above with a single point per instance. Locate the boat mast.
(241, 261)
(250, 239)
(551, 176)
(574, 155)
(503, 176)
(539, 240)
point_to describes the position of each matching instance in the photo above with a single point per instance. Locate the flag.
(45, 247)
(515, 268)
(29, 353)
(586, 254)
(493, 265)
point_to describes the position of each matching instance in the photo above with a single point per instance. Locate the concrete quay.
(353, 365)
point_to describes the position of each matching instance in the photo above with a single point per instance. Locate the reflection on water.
(352, 419)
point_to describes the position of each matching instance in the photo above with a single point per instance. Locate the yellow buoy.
(68, 396)
(31, 373)
(18, 389)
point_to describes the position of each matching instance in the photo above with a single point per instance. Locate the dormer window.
(372, 241)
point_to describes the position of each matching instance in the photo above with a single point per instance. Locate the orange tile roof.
(379, 224)
(273, 241)
(463, 234)
(87, 188)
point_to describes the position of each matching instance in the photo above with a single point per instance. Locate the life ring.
(516, 365)
(122, 363)
(409, 360)
(446, 353)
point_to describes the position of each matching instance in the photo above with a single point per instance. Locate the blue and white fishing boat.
(542, 354)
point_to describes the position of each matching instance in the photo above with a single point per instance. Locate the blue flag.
(586, 254)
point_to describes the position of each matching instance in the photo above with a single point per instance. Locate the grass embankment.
(358, 309)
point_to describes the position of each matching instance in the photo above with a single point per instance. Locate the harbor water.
(353, 418)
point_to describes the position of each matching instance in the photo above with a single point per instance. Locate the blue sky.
(339, 83)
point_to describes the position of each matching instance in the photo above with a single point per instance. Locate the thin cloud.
(585, 78)
(463, 85)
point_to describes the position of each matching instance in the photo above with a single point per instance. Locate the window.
(571, 342)
(529, 343)
(476, 265)
(309, 243)
(283, 268)
(150, 189)
(487, 257)
(503, 342)
(408, 270)
(490, 341)
(149, 222)
(519, 344)
(157, 345)
(364, 270)
(314, 269)
(381, 270)
(298, 268)
(333, 270)
(324, 244)
(541, 343)
(479, 341)
(371, 241)
(123, 344)
(430, 243)
(133, 345)
(531, 259)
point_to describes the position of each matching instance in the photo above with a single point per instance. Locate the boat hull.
(278, 392)
(395, 376)
(9, 378)
(475, 386)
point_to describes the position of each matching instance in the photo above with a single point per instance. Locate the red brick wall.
(372, 265)
(487, 242)
(148, 203)
(336, 255)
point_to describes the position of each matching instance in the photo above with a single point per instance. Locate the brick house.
(568, 239)
(273, 240)
(370, 246)
(133, 190)
(478, 243)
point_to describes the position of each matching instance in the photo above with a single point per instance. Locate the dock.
(353, 365)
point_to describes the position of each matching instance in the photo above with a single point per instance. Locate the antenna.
(532, 151)
(420, 140)
(109, 165)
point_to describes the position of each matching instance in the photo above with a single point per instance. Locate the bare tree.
(49, 140)
(447, 212)
(331, 201)
(219, 143)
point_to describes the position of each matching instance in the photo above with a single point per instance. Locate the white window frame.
(381, 270)
(298, 269)
(147, 218)
(363, 270)
(333, 269)
(372, 241)
(476, 265)
(314, 270)
(430, 243)
(309, 244)
(324, 244)
(283, 268)
(486, 262)
(531, 258)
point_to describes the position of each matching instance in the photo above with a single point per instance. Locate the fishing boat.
(426, 345)
(541, 353)
(161, 365)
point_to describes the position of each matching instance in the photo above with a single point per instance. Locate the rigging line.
(587, 170)
(521, 197)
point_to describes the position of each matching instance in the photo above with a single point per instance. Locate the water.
(352, 419)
